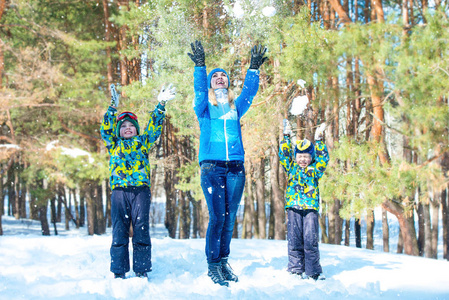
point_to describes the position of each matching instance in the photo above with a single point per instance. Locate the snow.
(269, 11)
(74, 152)
(299, 105)
(238, 10)
(74, 265)
(10, 146)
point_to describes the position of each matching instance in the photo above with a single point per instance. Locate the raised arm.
(199, 78)
(108, 127)
(251, 84)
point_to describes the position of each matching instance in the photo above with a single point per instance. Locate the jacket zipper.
(225, 134)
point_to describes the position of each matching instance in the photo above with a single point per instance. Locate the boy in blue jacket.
(305, 164)
(129, 169)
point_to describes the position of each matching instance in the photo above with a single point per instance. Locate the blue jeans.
(302, 236)
(222, 183)
(131, 205)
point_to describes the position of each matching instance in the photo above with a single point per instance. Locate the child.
(305, 164)
(130, 182)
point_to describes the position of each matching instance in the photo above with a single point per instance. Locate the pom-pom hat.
(209, 77)
(127, 116)
(305, 146)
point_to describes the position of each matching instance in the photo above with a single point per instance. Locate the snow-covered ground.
(74, 265)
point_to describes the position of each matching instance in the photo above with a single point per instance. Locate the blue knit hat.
(209, 77)
(305, 146)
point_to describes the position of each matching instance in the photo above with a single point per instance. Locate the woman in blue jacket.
(221, 154)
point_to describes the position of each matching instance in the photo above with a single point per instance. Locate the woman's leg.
(213, 183)
(235, 183)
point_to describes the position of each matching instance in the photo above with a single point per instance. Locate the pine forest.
(375, 72)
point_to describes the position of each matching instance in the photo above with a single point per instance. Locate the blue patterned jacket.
(221, 137)
(302, 185)
(129, 164)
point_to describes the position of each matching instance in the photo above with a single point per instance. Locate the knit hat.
(127, 116)
(305, 146)
(209, 77)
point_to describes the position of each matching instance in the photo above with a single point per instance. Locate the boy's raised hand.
(115, 97)
(166, 94)
(287, 127)
(319, 133)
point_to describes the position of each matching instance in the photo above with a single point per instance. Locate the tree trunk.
(445, 214)
(248, 212)
(43, 218)
(385, 231)
(83, 201)
(435, 205)
(347, 232)
(427, 230)
(277, 192)
(53, 213)
(407, 226)
(107, 37)
(370, 229)
(260, 196)
(358, 233)
(108, 205)
(421, 233)
(100, 222)
(90, 209)
(400, 248)
(323, 225)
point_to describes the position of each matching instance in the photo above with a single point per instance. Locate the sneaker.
(117, 275)
(318, 277)
(142, 274)
(227, 271)
(216, 274)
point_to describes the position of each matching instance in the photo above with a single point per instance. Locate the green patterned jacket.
(302, 186)
(129, 164)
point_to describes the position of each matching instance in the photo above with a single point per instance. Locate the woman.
(221, 153)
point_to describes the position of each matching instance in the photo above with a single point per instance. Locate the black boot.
(228, 273)
(215, 273)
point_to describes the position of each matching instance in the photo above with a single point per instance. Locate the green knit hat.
(127, 116)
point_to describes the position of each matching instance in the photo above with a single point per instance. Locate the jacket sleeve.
(200, 86)
(154, 127)
(249, 91)
(286, 156)
(108, 127)
(321, 158)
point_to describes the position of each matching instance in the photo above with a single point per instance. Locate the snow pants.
(302, 236)
(131, 205)
(222, 183)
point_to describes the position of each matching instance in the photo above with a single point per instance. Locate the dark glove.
(257, 57)
(198, 56)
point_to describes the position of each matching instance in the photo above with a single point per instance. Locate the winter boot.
(227, 271)
(317, 277)
(142, 274)
(216, 274)
(117, 275)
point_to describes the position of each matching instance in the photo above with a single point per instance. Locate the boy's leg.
(213, 183)
(235, 183)
(295, 242)
(120, 212)
(141, 226)
(311, 250)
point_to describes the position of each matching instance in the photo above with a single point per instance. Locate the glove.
(166, 94)
(287, 127)
(257, 57)
(198, 56)
(319, 133)
(115, 97)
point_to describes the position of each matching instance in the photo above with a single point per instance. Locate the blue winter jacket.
(221, 137)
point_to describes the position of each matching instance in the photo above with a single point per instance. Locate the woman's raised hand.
(257, 57)
(198, 56)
